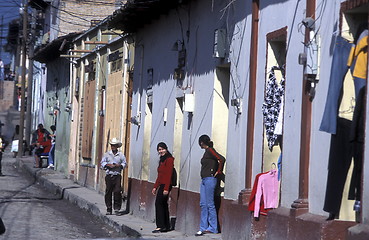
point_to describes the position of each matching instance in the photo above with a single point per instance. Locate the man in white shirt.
(113, 162)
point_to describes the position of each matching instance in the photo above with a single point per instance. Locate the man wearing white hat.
(113, 162)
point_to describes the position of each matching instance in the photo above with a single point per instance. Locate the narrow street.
(29, 212)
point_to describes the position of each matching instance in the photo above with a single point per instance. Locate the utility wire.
(58, 30)
(70, 13)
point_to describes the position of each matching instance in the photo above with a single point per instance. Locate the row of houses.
(256, 76)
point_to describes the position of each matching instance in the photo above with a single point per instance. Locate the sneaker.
(51, 166)
(199, 233)
(108, 213)
(117, 212)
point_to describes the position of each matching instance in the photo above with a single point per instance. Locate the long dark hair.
(205, 139)
(163, 145)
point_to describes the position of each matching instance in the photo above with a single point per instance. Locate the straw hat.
(115, 141)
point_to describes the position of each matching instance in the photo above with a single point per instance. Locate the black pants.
(340, 158)
(355, 185)
(113, 187)
(161, 209)
(2, 226)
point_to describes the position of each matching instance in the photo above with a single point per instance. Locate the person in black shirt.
(211, 166)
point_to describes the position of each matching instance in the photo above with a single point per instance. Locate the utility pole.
(1, 35)
(24, 68)
(30, 78)
(2, 73)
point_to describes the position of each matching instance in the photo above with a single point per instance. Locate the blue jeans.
(51, 155)
(339, 69)
(209, 220)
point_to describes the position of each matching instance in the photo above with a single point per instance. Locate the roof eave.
(137, 13)
(52, 50)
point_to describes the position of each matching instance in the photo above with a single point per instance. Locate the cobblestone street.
(29, 212)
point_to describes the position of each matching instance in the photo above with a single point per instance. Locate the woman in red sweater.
(162, 188)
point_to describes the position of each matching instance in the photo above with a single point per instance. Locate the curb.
(62, 187)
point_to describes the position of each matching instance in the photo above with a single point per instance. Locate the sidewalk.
(93, 202)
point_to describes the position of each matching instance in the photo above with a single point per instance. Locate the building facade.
(61, 22)
(212, 74)
(262, 78)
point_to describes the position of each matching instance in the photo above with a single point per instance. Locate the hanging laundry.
(272, 106)
(346, 54)
(358, 58)
(340, 157)
(279, 164)
(268, 186)
(357, 137)
(347, 136)
(338, 72)
(251, 206)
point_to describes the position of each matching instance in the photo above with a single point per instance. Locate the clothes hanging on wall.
(339, 69)
(358, 58)
(251, 206)
(340, 157)
(272, 106)
(357, 138)
(279, 164)
(345, 55)
(347, 136)
(279, 125)
(268, 188)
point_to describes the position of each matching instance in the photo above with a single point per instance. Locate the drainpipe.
(245, 194)
(140, 94)
(301, 205)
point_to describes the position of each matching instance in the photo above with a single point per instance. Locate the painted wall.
(197, 34)
(271, 21)
(201, 70)
(239, 56)
(57, 95)
(39, 82)
(320, 142)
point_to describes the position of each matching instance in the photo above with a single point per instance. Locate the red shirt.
(165, 170)
(47, 145)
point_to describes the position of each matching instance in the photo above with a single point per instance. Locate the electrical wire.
(98, 2)
(65, 11)
(58, 30)
(73, 23)
(74, 14)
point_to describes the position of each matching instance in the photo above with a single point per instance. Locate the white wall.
(200, 66)
(200, 81)
(320, 141)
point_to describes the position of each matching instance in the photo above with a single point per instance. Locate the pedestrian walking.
(211, 166)
(162, 188)
(113, 162)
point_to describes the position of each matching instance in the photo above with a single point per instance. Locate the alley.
(29, 212)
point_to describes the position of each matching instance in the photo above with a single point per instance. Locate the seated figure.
(42, 149)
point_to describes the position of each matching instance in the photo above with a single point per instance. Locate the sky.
(9, 10)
